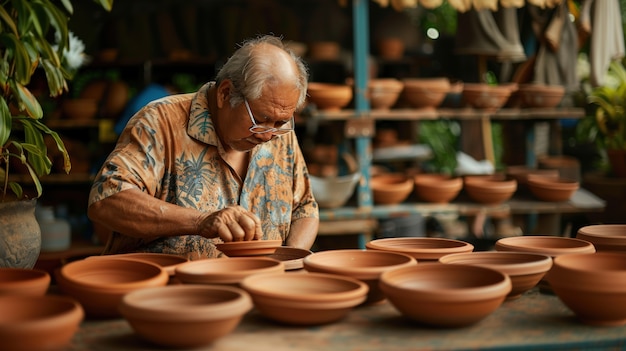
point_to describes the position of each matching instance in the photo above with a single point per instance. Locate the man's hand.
(233, 223)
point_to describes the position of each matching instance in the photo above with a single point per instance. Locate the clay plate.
(292, 257)
(249, 248)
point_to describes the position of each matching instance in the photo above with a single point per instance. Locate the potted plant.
(35, 38)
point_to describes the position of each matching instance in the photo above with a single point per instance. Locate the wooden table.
(536, 320)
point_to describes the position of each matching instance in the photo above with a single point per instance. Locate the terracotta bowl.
(229, 271)
(331, 192)
(437, 188)
(80, 108)
(291, 257)
(592, 285)
(391, 188)
(552, 190)
(305, 299)
(521, 173)
(100, 284)
(490, 191)
(24, 281)
(484, 96)
(525, 269)
(544, 244)
(324, 50)
(249, 248)
(390, 48)
(604, 237)
(365, 265)
(166, 261)
(329, 96)
(421, 248)
(540, 95)
(185, 316)
(445, 295)
(384, 92)
(38, 322)
(425, 92)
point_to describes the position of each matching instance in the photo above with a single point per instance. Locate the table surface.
(536, 320)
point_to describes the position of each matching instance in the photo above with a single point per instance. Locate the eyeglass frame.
(274, 131)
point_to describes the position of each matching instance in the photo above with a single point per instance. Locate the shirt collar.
(201, 125)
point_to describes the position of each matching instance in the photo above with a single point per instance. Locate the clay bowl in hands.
(425, 92)
(225, 270)
(30, 322)
(335, 191)
(437, 188)
(445, 295)
(100, 284)
(391, 188)
(384, 92)
(490, 191)
(544, 244)
(291, 257)
(185, 316)
(249, 248)
(604, 237)
(421, 248)
(524, 269)
(24, 281)
(592, 285)
(166, 261)
(365, 265)
(552, 190)
(305, 299)
(540, 95)
(329, 96)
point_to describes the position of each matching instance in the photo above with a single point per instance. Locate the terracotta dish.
(166, 261)
(437, 188)
(553, 190)
(540, 95)
(24, 281)
(225, 270)
(490, 191)
(30, 323)
(249, 248)
(291, 257)
(391, 188)
(592, 285)
(425, 92)
(100, 284)
(384, 92)
(525, 269)
(329, 96)
(544, 244)
(185, 316)
(305, 299)
(485, 96)
(604, 237)
(421, 248)
(365, 265)
(445, 295)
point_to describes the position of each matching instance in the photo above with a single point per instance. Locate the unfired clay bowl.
(24, 281)
(166, 261)
(592, 285)
(552, 190)
(490, 191)
(365, 265)
(29, 322)
(329, 96)
(604, 237)
(100, 284)
(544, 244)
(525, 269)
(226, 270)
(421, 248)
(305, 299)
(485, 96)
(540, 95)
(291, 257)
(425, 92)
(384, 92)
(391, 188)
(249, 248)
(185, 316)
(445, 295)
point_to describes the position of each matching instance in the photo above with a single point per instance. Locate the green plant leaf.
(56, 81)
(58, 20)
(27, 100)
(8, 21)
(6, 122)
(16, 49)
(17, 189)
(106, 4)
(67, 165)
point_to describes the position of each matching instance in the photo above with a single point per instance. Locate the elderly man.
(221, 164)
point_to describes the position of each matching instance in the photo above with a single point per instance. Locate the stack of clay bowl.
(425, 92)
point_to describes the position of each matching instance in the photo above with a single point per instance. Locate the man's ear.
(223, 93)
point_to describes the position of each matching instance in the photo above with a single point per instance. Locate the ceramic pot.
(552, 190)
(384, 92)
(24, 281)
(490, 191)
(445, 295)
(329, 96)
(391, 188)
(604, 237)
(425, 92)
(540, 95)
(249, 247)
(390, 48)
(332, 192)
(421, 248)
(544, 244)
(568, 166)
(521, 173)
(524, 269)
(365, 265)
(437, 188)
(592, 286)
(485, 96)
(20, 234)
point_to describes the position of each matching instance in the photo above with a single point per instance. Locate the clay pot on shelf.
(390, 48)
(445, 295)
(24, 281)
(391, 188)
(437, 188)
(329, 96)
(490, 191)
(485, 96)
(421, 248)
(540, 95)
(592, 286)
(567, 166)
(525, 269)
(604, 237)
(333, 191)
(425, 92)
(80, 109)
(324, 50)
(521, 173)
(384, 92)
(365, 265)
(552, 190)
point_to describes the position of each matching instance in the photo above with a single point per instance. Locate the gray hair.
(250, 73)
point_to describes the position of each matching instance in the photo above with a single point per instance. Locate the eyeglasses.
(257, 129)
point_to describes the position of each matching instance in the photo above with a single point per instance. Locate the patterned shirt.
(171, 151)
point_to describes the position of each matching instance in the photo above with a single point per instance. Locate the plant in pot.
(35, 38)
